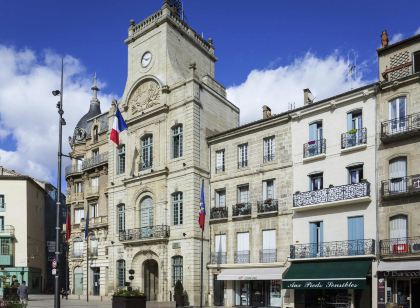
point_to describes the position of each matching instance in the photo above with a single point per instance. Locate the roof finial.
(95, 88)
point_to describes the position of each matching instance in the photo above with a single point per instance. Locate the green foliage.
(352, 131)
(179, 289)
(12, 304)
(125, 292)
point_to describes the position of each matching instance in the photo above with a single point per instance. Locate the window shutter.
(398, 227)
(264, 187)
(243, 241)
(269, 239)
(349, 121)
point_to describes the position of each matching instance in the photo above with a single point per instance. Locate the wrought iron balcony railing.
(7, 231)
(218, 258)
(268, 206)
(243, 164)
(400, 127)
(220, 169)
(353, 138)
(241, 256)
(241, 209)
(314, 148)
(269, 157)
(400, 246)
(333, 249)
(218, 212)
(95, 161)
(268, 255)
(332, 194)
(408, 185)
(145, 233)
(146, 165)
(73, 169)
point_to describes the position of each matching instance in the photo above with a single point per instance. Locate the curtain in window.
(220, 243)
(397, 174)
(243, 241)
(269, 239)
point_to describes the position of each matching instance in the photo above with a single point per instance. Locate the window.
(79, 163)
(355, 174)
(121, 273)
(315, 131)
(355, 234)
(398, 227)
(315, 145)
(416, 58)
(242, 247)
(2, 203)
(94, 184)
(146, 212)
(121, 217)
(95, 134)
(398, 175)
(5, 246)
(77, 247)
(94, 247)
(243, 155)
(316, 238)
(78, 215)
(177, 269)
(93, 210)
(398, 115)
(177, 207)
(220, 198)
(268, 190)
(146, 152)
(243, 194)
(121, 159)
(220, 249)
(95, 155)
(316, 181)
(78, 187)
(177, 141)
(354, 120)
(269, 251)
(269, 149)
(2, 223)
(220, 161)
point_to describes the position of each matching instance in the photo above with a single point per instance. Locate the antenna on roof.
(351, 68)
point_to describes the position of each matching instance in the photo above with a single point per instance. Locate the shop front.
(255, 287)
(399, 284)
(335, 283)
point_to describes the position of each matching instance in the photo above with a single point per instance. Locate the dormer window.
(416, 62)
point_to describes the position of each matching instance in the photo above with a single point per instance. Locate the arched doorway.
(151, 279)
(78, 281)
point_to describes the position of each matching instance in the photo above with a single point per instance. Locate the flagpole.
(87, 253)
(202, 240)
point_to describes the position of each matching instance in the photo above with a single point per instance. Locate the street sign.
(51, 246)
(54, 264)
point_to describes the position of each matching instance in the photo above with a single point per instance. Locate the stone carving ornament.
(146, 95)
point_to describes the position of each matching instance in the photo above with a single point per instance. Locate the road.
(47, 301)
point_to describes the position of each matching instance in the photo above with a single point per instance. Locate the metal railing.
(7, 231)
(145, 233)
(241, 256)
(243, 164)
(402, 185)
(403, 125)
(332, 194)
(314, 148)
(269, 157)
(268, 255)
(95, 161)
(73, 169)
(353, 138)
(220, 169)
(218, 212)
(268, 205)
(333, 249)
(241, 209)
(218, 258)
(400, 246)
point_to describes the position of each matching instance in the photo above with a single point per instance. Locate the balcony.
(145, 233)
(95, 161)
(7, 231)
(268, 255)
(218, 258)
(241, 209)
(72, 169)
(400, 128)
(242, 164)
(268, 206)
(241, 256)
(92, 192)
(269, 157)
(333, 249)
(219, 213)
(400, 187)
(354, 138)
(96, 222)
(75, 197)
(314, 148)
(335, 195)
(395, 247)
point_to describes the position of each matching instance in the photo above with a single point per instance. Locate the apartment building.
(398, 167)
(87, 179)
(250, 212)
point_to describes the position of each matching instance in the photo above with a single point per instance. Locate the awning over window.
(399, 266)
(265, 273)
(349, 274)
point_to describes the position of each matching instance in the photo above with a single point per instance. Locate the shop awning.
(399, 266)
(348, 274)
(265, 273)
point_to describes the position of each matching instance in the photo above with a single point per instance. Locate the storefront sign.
(325, 284)
(247, 277)
(402, 274)
(415, 182)
(381, 292)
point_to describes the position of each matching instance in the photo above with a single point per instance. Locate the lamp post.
(61, 122)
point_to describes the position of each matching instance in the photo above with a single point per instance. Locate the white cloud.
(278, 87)
(417, 31)
(396, 38)
(28, 112)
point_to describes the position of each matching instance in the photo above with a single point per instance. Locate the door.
(146, 217)
(398, 115)
(242, 252)
(150, 277)
(355, 230)
(354, 127)
(78, 281)
(219, 292)
(398, 234)
(398, 175)
(316, 237)
(220, 248)
(269, 251)
(403, 293)
(315, 145)
(95, 281)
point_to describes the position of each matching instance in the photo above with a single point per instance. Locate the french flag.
(202, 215)
(118, 126)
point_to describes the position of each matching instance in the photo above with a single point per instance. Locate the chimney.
(308, 98)
(266, 112)
(384, 39)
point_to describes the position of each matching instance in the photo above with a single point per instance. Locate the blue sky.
(268, 52)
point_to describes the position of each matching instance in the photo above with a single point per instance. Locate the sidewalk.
(47, 301)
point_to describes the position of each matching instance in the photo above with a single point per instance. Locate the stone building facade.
(250, 212)
(398, 171)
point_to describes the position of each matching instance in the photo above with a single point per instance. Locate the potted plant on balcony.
(179, 294)
(128, 298)
(352, 131)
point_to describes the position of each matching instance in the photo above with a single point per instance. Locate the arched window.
(398, 175)
(77, 247)
(121, 273)
(177, 148)
(177, 206)
(121, 217)
(177, 269)
(146, 212)
(94, 247)
(398, 227)
(146, 152)
(95, 134)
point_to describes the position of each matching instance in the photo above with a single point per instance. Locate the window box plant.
(128, 298)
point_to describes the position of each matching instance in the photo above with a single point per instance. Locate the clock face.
(146, 59)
